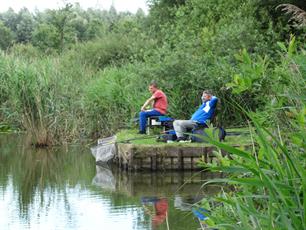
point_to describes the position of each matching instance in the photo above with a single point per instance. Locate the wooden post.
(154, 162)
(180, 160)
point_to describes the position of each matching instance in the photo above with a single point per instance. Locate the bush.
(113, 98)
(268, 181)
(109, 50)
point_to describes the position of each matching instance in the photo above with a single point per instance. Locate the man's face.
(205, 97)
(152, 89)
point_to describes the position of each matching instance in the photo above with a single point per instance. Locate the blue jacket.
(205, 111)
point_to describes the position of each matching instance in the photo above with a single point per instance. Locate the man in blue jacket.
(204, 113)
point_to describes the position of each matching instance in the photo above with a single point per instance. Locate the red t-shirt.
(161, 209)
(160, 101)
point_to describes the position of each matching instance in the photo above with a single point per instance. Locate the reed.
(268, 182)
(38, 97)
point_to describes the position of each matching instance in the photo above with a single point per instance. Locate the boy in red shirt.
(160, 104)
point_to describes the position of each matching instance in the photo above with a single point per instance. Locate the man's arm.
(213, 102)
(150, 100)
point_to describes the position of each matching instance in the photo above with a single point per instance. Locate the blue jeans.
(143, 115)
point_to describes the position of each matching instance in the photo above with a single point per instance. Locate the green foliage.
(60, 29)
(98, 84)
(25, 26)
(10, 19)
(279, 87)
(45, 37)
(268, 183)
(61, 19)
(110, 50)
(6, 37)
(131, 135)
(110, 57)
(36, 171)
(198, 43)
(39, 98)
(4, 128)
(28, 51)
(113, 98)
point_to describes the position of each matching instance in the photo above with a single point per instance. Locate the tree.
(6, 36)
(61, 19)
(25, 26)
(111, 17)
(10, 19)
(45, 37)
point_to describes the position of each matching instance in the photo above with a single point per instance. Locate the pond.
(62, 188)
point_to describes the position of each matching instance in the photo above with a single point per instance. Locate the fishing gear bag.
(220, 132)
(200, 134)
(167, 136)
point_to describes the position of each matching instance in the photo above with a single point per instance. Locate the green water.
(62, 188)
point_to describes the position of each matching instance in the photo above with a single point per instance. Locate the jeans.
(181, 126)
(143, 115)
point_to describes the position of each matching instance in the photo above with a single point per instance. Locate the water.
(62, 188)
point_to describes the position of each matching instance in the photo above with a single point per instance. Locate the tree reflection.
(37, 175)
(39, 186)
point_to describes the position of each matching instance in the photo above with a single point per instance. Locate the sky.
(120, 5)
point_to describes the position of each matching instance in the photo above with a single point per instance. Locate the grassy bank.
(242, 138)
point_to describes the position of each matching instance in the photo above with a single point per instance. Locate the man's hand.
(150, 100)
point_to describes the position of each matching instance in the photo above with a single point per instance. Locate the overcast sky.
(120, 5)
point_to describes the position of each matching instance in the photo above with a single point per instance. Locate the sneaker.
(185, 141)
(180, 139)
(142, 132)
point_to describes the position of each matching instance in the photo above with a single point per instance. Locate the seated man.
(204, 113)
(160, 105)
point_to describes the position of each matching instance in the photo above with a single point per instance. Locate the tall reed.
(39, 97)
(268, 182)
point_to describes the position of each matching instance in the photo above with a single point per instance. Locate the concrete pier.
(167, 157)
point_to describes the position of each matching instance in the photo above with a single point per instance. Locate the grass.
(131, 134)
(268, 182)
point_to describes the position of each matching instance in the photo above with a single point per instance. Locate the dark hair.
(207, 91)
(154, 84)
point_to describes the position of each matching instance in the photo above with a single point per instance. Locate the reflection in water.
(63, 189)
(185, 203)
(104, 178)
(160, 211)
(150, 184)
(167, 198)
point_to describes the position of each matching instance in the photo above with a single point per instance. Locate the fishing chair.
(163, 122)
(214, 121)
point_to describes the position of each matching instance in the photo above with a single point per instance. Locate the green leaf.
(282, 46)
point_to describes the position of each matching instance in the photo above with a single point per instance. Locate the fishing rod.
(138, 138)
(110, 140)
